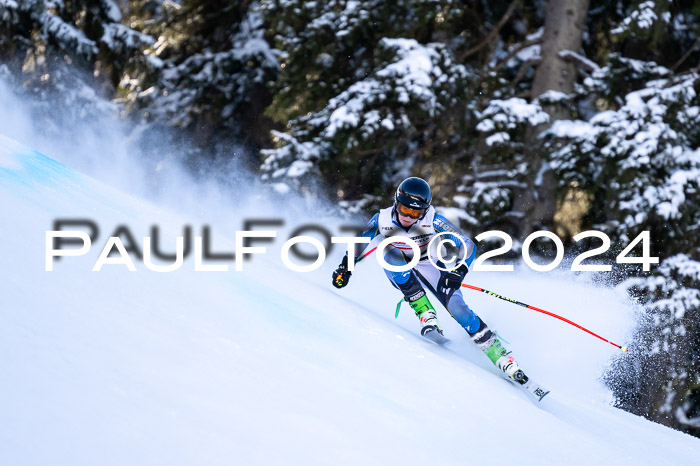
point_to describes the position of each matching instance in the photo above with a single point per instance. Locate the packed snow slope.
(268, 366)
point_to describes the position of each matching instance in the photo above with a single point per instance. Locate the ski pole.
(623, 348)
(491, 293)
(367, 253)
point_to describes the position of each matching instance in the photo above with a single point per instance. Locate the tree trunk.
(564, 25)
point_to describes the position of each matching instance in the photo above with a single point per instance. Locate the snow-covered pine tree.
(71, 52)
(642, 167)
(641, 164)
(369, 93)
(633, 155)
(207, 73)
(38, 34)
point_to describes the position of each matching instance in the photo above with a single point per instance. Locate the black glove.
(451, 281)
(341, 276)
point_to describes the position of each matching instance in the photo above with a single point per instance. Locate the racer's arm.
(371, 230)
(341, 275)
(466, 247)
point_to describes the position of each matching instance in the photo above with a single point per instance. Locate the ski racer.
(413, 216)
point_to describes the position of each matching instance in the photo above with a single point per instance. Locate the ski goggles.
(408, 211)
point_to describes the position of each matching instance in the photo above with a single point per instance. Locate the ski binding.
(530, 386)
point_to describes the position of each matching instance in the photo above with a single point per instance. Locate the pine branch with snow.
(411, 87)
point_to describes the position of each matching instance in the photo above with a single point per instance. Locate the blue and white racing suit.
(386, 224)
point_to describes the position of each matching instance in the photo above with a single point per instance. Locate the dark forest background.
(523, 115)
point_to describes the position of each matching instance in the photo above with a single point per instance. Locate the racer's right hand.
(341, 276)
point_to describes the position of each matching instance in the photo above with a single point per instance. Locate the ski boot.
(490, 344)
(425, 312)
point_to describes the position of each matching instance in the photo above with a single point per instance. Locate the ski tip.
(542, 395)
(534, 390)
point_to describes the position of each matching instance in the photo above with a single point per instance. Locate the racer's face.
(405, 220)
(408, 216)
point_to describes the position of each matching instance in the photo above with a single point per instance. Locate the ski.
(434, 335)
(531, 387)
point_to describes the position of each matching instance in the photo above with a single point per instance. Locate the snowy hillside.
(269, 366)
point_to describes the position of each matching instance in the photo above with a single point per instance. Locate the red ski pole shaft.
(367, 253)
(496, 295)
